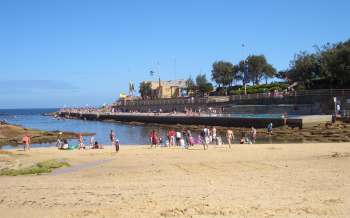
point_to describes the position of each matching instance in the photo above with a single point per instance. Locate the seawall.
(214, 120)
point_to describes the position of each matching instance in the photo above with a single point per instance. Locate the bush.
(259, 88)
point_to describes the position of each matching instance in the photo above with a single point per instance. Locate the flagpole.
(159, 85)
(245, 70)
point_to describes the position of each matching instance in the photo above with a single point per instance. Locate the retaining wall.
(303, 105)
(186, 120)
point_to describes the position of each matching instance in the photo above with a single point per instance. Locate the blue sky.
(78, 52)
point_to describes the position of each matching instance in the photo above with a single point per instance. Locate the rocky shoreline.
(12, 135)
(336, 132)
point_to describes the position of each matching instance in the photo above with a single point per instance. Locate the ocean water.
(128, 134)
(34, 118)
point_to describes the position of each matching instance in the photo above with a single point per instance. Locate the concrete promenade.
(226, 120)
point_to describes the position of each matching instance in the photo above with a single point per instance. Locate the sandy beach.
(270, 180)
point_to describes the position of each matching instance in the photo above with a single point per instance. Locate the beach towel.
(72, 147)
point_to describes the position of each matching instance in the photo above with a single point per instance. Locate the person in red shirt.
(153, 138)
(171, 137)
(26, 142)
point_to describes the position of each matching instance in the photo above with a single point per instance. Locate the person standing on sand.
(229, 137)
(171, 137)
(26, 142)
(112, 137)
(185, 137)
(116, 144)
(253, 134)
(205, 134)
(209, 137)
(178, 137)
(284, 117)
(59, 142)
(214, 135)
(190, 138)
(269, 128)
(81, 142)
(92, 142)
(154, 138)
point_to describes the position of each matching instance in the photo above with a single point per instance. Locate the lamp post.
(245, 70)
(159, 83)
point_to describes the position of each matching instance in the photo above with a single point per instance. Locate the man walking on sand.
(214, 139)
(229, 137)
(269, 128)
(205, 134)
(81, 142)
(112, 137)
(26, 142)
(253, 134)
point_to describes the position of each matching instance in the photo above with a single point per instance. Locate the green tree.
(335, 63)
(145, 90)
(282, 74)
(258, 67)
(203, 85)
(269, 72)
(305, 68)
(328, 67)
(190, 85)
(237, 73)
(222, 73)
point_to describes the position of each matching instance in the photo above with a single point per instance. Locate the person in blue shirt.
(269, 128)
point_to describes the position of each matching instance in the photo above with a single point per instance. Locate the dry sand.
(284, 180)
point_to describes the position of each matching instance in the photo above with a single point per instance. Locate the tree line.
(327, 67)
(252, 70)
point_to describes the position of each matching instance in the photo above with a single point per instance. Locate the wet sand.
(269, 180)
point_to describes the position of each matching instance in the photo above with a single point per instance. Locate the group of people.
(174, 138)
(93, 144)
(63, 144)
(206, 137)
(182, 138)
